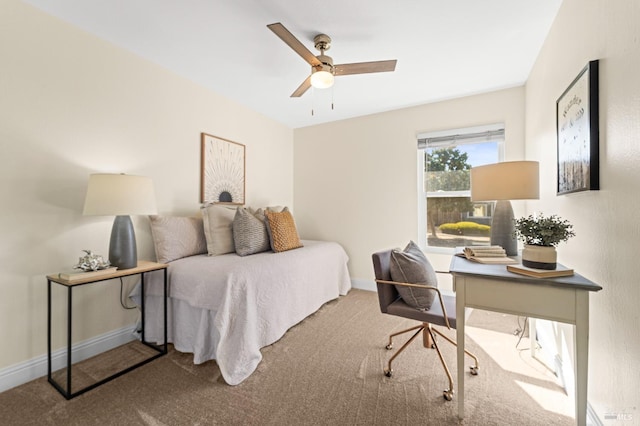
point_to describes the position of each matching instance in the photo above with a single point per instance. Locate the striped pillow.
(250, 232)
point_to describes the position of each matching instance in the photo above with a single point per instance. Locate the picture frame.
(577, 127)
(222, 170)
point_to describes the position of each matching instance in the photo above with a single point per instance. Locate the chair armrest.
(428, 287)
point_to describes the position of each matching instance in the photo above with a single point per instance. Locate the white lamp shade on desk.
(510, 180)
(120, 195)
(503, 182)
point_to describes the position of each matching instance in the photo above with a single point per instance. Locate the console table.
(142, 268)
(493, 288)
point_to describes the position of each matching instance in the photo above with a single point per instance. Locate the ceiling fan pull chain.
(332, 98)
(313, 99)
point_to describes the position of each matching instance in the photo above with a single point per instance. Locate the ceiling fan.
(322, 68)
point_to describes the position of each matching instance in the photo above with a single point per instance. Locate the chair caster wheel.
(474, 371)
(388, 373)
(389, 346)
(448, 395)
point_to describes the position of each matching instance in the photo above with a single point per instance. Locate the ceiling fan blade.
(294, 43)
(365, 67)
(302, 88)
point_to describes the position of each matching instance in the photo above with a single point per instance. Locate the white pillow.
(175, 237)
(218, 228)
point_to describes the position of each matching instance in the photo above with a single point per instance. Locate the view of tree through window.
(452, 218)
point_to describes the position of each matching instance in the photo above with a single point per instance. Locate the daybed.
(227, 307)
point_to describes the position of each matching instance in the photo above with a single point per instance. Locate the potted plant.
(541, 235)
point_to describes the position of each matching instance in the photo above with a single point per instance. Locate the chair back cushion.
(387, 294)
(411, 266)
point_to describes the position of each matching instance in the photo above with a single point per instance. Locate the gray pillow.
(411, 266)
(250, 232)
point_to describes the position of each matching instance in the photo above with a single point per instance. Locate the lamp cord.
(521, 330)
(124, 306)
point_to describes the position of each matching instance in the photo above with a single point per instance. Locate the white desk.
(493, 288)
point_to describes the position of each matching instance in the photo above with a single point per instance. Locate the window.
(448, 217)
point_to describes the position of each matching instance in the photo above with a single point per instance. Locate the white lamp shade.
(119, 195)
(322, 79)
(510, 180)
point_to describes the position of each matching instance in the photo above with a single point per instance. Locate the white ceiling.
(445, 49)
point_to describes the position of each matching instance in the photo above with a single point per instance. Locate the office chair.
(442, 313)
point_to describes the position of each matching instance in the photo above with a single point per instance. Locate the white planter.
(539, 257)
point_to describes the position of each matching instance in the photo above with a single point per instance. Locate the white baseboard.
(592, 417)
(32, 369)
(362, 284)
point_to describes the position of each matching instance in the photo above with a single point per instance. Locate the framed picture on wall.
(578, 133)
(222, 175)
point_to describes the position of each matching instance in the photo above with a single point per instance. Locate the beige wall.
(606, 221)
(71, 105)
(356, 180)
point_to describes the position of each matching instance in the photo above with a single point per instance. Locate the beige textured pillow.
(282, 230)
(218, 228)
(176, 237)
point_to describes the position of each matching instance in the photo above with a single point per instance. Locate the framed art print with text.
(222, 175)
(578, 133)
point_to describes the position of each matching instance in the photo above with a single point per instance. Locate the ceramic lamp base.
(122, 247)
(539, 257)
(503, 229)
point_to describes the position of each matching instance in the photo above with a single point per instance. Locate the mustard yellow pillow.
(283, 234)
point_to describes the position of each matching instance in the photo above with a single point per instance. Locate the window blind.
(460, 138)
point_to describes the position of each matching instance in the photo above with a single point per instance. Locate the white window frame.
(444, 139)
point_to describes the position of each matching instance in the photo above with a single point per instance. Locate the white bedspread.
(228, 307)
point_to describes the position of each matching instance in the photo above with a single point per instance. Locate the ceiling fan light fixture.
(322, 69)
(322, 77)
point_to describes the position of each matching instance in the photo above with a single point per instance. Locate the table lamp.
(120, 195)
(502, 182)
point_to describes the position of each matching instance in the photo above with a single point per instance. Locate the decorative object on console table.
(120, 195)
(222, 175)
(541, 235)
(502, 182)
(89, 266)
(577, 127)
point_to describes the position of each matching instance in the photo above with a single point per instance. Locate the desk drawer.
(535, 300)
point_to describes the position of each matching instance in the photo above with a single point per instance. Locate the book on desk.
(79, 274)
(560, 271)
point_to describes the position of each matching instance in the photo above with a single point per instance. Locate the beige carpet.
(325, 371)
